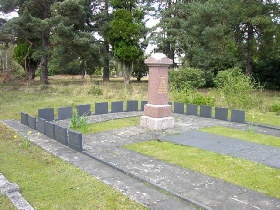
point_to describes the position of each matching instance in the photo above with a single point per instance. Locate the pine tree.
(126, 29)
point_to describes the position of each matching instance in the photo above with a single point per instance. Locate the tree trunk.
(82, 68)
(249, 61)
(31, 69)
(45, 44)
(127, 74)
(106, 72)
(44, 58)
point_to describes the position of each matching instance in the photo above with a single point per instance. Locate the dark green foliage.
(77, 46)
(126, 29)
(203, 100)
(23, 54)
(186, 78)
(140, 69)
(268, 73)
(215, 35)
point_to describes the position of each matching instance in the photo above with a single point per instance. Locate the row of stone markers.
(45, 124)
(180, 108)
(206, 111)
(50, 129)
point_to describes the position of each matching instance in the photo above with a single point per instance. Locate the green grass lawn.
(47, 182)
(244, 135)
(111, 124)
(6, 204)
(238, 171)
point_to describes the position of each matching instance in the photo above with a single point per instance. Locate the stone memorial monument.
(157, 112)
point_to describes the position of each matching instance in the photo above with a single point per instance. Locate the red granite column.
(157, 113)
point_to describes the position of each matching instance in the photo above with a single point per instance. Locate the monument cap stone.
(158, 59)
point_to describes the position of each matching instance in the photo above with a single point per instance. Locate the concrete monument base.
(157, 123)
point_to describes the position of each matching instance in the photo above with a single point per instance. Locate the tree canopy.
(80, 36)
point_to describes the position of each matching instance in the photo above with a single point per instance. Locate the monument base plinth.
(157, 111)
(157, 123)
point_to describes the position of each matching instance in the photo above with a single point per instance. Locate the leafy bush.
(203, 100)
(186, 78)
(275, 108)
(96, 91)
(237, 89)
(182, 96)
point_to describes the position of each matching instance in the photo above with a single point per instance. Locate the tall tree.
(99, 17)
(217, 34)
(33, 23)
(125, 32)
(255, 18)
(73, 36)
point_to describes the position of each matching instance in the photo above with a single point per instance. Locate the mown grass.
(6, 204)
(111, 125)
(238, 171)
(47, 182)
(245, 135)
(267, 118)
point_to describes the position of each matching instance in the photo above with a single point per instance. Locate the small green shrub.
(83, 124)
(186, 78)
(182, 96)
(74, 120)
(275, 108)
(203, 100)
(79, 122)
(96, 91)
(237, 89)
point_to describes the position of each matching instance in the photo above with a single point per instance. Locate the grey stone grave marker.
(192, 109)
(117, 106)
(41, 126)
(131, 106)
(49, 130)
(237, 116)
(65, 113)
(61, 134)
(24, 118)
(221, 113)
(205, 111)
(179, 108)
(32, 122)
(83, 109)
(47, 114)
(75, 141)
(143, 104)
(101, 108)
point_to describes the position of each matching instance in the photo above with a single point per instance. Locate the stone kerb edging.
(12, 191)
(45, 124)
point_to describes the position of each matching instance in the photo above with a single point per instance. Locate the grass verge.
(47, 182)
(244, 135)
(238, 171)
(111, 124)
(6, 204)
